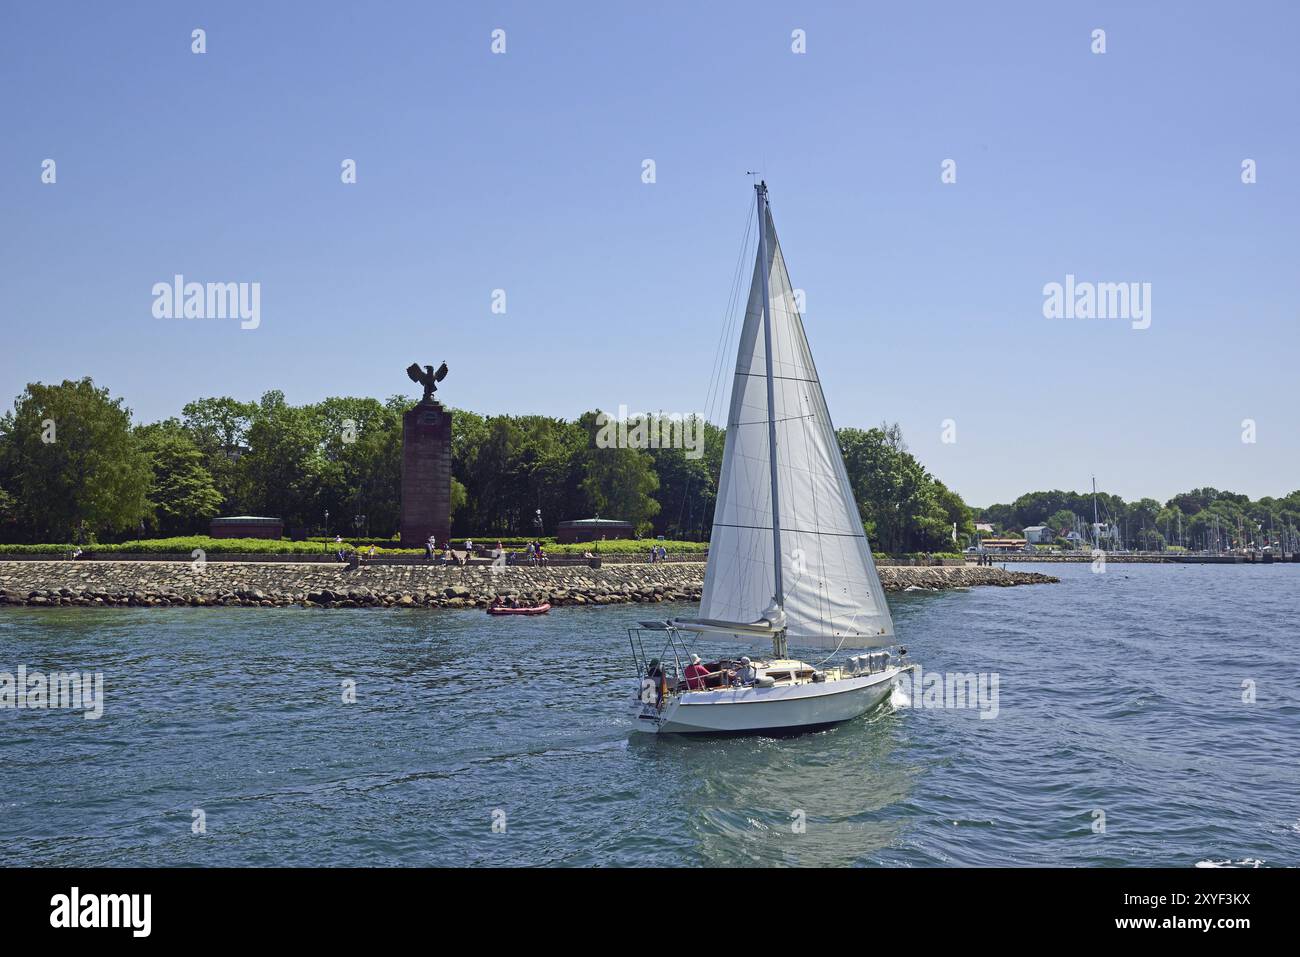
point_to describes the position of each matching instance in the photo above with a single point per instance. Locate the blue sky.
(523, 171)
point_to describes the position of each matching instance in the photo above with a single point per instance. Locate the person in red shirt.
(696, 674)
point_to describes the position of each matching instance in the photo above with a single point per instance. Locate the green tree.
(617, 482)
(903, 508)
(8, 512)
(74, 461)
(1062, 520)
(511, 466)
(688, 486)
(955, 512)
(181, 493)
(285, 464)
(219, 428)
(360, 467)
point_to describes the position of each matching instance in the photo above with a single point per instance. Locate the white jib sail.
(832, 595)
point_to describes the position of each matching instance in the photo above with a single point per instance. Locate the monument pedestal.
(426, 475)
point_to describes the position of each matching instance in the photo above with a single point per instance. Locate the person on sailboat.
(746, 674)
(655, 673)
(696, 674)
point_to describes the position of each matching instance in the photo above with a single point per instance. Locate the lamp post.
(327, 521)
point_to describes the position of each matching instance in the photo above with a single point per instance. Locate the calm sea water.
(1119, 693)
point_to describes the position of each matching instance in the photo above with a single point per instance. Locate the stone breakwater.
(158, 584)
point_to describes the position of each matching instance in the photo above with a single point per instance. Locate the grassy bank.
(263, 546)
(212, 547)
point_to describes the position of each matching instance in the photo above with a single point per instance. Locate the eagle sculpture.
(427, 377)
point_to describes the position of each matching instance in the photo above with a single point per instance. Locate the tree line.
(1203, 518)
(75, 467)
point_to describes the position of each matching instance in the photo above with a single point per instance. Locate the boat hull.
(787, 709)
(538, 610)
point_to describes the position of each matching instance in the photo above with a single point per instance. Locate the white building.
(1106, 532)
(1039, 535)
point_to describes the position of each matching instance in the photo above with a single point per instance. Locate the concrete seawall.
(150, 584)
(1257, 558)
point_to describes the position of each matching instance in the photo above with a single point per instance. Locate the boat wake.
(1244, 862)
(899, 698)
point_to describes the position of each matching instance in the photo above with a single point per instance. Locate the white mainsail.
(832, 595)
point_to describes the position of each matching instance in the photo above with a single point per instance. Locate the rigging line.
(714, 390)
(794, 531)
(737, 311)
(713, 396)
(717, 369)
(833, 653)
(784, 418)
(786, 378)
(719, 356)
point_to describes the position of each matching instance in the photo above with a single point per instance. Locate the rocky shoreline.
(165, 584)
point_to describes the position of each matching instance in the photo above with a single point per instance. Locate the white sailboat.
(789, 561)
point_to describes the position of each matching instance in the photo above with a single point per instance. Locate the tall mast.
(778, 584)
(1096, 531)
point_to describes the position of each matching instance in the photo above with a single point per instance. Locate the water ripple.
(1121, 703)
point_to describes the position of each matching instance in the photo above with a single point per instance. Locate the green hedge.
(36, 549)
(636, 546)
(457, 541)
(185, 544)
(883, 557)
(381, 542)
(316, 546)
(267, 546)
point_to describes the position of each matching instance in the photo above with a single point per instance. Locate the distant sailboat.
(789, 561)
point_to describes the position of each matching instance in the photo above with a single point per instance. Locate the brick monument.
(426, 464)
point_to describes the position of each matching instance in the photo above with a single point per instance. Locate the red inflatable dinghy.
(535, 610)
